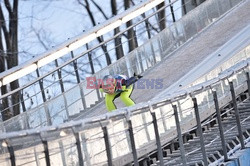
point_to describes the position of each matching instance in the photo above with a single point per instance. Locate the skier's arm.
(133, 79)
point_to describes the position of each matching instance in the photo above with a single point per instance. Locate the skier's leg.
(125, 96)
(109, 101)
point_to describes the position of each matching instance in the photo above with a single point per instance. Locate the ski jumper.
(123, 89)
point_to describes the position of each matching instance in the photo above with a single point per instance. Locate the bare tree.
(131, 33)
(161, 16)
(148, 25)
(92, 19)
(9, 53)
(118, 43)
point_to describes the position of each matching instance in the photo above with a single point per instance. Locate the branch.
(144, 16)
(7, 5)
(3, 27)
(15, 6)
(39, 38)
(100, 9)
(89, 11)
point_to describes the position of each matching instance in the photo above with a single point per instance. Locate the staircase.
(172, 156)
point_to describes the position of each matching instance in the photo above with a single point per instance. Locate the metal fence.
(116, 138)
(73, 100)
(59, 76)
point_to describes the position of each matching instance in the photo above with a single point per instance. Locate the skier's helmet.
(108, 83)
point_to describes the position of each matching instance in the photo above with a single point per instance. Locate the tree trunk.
(184, 9)
(13, 61)
(100, 39)
(132, 40)
(6, 114)
(11, 45)
(118, 43)
(161, 16)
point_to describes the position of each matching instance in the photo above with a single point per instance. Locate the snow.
(188, 56)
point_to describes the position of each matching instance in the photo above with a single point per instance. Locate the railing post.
(36, 157)
(12, 155)
(97, 91)
(237, 115)
(78, 81)
(41, 85)
(160, 48)
(22, 101)
(157, 136)
(153, 53)
(107, 145)
(59, 73)
(184, 7)
(132, 141)
(90, 60)
(75, 68)
(163, 121)
(85, 149)
(147, 26)
(200, 131)
(144, 120)
(248, 83)
(46, 152)
(172, 10)
(44, 99)
(178, 128)
(62, 153)
(223, 143)
(24, 110)
(140, 64)
(79, 150)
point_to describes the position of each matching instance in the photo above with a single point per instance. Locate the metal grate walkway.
(212, 140)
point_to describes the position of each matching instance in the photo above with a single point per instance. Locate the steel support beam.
(132, 141)
(178, 127)
(107, 145)
(46, 152)
(12, 155)
(199, 129)
(79, 150)
(237, 115)
(222, 137)
(157, 137)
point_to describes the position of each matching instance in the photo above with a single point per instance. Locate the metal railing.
(74, 99)
(116, 138)
(49, 81)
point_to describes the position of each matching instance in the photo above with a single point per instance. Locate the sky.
(44, 24)
(56, 21)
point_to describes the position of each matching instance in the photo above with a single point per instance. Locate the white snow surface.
(187, 57)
